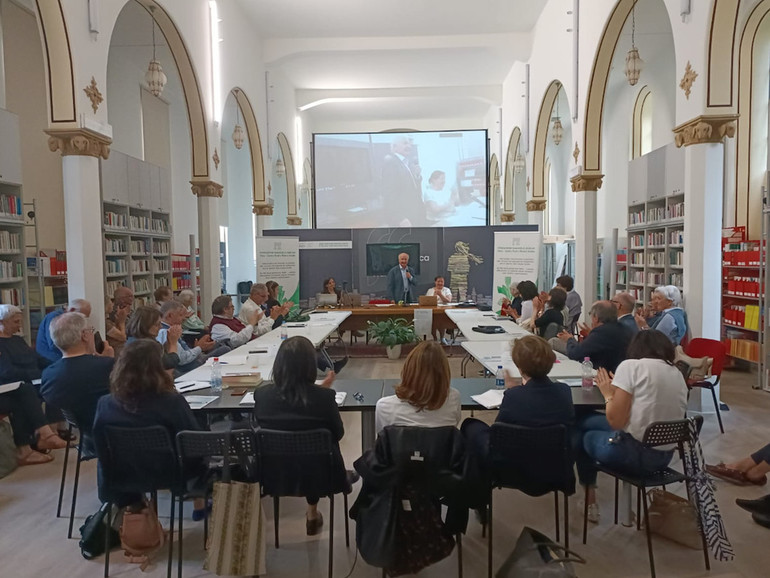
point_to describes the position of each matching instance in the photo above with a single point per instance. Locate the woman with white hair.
(192, 322)
(667, 316)
(19, 362)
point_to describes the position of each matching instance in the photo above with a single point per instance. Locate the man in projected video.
(401, 188)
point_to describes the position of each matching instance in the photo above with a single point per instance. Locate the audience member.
(294, 403)
(77, 381)
(667, 315)
(256, 303)
(536, 402)
(272, 301)
(162, 295)
(550, 312)
(605, 345)
(574, 302)
(228, 329)
(442, 293)
(625, 303)
(423, 398)
(115, 324)
(191, 321)
(145, 323)
(172, 314)
(44, 345)
(751, 470)
(514, 304)
(330, 287)
(647, 387)
(142, 395)
(528, 291)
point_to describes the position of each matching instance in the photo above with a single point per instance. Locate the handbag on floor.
(537, 556)
(674, 518)
(141, 535)
(237, 541)
(92, 535)
(9, 461)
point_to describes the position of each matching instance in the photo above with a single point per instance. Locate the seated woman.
(423, 398)
(145, 323)
(224, 327)
(191, 322)
(667, 315)
(294, 403)
(441, 291)
(646, 387)
(330, 286)
(528, 291)
(508, 307)
(550, 312)
(537, 402)
(751, 470)
(19, 362)
(142, 395)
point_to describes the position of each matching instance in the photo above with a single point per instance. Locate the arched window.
(641, 133)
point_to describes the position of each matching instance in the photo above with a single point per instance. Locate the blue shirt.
(44, 344)
(403, 276)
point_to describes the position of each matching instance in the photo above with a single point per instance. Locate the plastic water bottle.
(216, 376)
(500, 378)
(588, 373)
(284, 333)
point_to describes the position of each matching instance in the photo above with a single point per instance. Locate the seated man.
(256, 303)
(225, 328)
(574, 302)
(162, 294)
(44, 344)
(77, 381)
(624, 302)
(605, 345)
(173, 313)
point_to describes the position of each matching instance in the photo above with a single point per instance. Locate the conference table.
(466, 319)
(491, 354)
(360, 316)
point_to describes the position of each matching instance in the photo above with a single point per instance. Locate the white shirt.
(248, 308)
(527, 310)
(394, 411)
(445, 291)
(658, 389)
(220, 332)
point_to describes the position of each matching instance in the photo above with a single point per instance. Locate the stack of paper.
(340, 397)
(247, 399)
(200, 401)
(490, 399)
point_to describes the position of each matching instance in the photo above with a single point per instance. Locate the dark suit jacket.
(401, 192)
(396, 284)
(537, 403)
(606, 346)
(629, 323)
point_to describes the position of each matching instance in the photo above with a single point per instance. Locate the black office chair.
(534, 460)
(552, 330)
(86, 451)
(301, 464)
(658, 434)
(202, 461)
(137, 461)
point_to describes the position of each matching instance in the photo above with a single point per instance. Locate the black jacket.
(606, 346)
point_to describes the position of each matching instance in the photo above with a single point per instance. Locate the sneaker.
(593, 513)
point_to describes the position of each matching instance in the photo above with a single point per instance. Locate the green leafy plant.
(392, 332)
(505, 290)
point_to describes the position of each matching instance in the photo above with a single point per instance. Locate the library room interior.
(345, 289)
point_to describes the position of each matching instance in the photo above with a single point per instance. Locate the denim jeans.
(615, 449)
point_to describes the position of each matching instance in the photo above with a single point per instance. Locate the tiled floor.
(33, 542)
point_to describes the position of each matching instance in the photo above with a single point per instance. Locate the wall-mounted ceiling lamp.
(280, 168)
(154, 77)
(238, 132)
(634, 64)
(518, 163)
(557, 131)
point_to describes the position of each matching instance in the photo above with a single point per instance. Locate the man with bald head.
(605, 345)
(401, 280)
(44, 343)
(624, 303)
(401, 188)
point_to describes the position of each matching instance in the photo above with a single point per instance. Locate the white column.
(536, 218)
(585, 248)
(2, 65)
(82, 222)
(208, 244)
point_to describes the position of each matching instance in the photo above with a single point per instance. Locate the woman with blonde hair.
(423, 398)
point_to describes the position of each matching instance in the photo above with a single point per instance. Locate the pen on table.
(259, 351)
(184, 387)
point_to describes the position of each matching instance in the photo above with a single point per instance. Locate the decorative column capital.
(586, 182)
(261, 208)
(293, 220)
(536, 205)
(202, 187)
(78, 141)
(705, 129)
(508, 217)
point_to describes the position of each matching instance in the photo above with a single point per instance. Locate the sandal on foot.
(34, 458)
(313, 526)
(51, 442)
(722, 472)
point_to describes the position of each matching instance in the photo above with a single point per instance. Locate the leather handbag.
(488, 329)
(674, 518)
(693, 368)
(537, 556)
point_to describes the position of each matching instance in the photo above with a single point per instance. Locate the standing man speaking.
(401, 279)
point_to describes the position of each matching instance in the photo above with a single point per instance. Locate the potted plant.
(393, 333)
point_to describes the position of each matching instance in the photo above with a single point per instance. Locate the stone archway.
(259, 200)
(539, 191)
(509, 205)
(60, 81)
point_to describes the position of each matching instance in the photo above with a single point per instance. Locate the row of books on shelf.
(140, 247)
(12, 297)
(621, 256)
(160, 226)
(675, 211)
(656, 238)
(744, 286)
(116, 266)
(159, 282)
(656, 259)
(161, 247)
(636, 241)
(180, 265)
(676, 258)
(743, 349)
(636, 218)
(10, 242)
(49, 266)
(746, 316)
(181, 282)
(161, 265)
(141, 286)
(636, 293)
(140, 265)
(676, 279)
(115, 220)
(11, 269)
(112, 286)
(749, 258)
(114, 245)
(676, 237)
(11, 206)
(621, 277)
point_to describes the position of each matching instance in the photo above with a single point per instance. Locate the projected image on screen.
(417, 179)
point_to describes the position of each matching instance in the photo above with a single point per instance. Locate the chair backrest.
(665, 433)
(702, 347)
(551, 330)
(297, 463)
(535, 460)
(210, 448)
(137, 459)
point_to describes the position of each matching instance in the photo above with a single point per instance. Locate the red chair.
(702, 347)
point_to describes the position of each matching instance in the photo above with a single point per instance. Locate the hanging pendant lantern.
(518, 164)
(154, 77)
(634, 64)
(238, 132)
(557, 131)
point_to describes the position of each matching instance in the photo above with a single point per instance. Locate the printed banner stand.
(517, 258)
(278, 260)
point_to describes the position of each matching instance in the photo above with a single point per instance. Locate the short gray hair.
(67, 329)
(8, 311)
(258, 288)
(670, 292)
(604, 311)
(185, 294)
(170, 306)
(79, 304)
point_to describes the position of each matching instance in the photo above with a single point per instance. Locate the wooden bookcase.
(741, 288)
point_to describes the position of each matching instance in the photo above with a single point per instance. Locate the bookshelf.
(741, 287)
(13, 280)
(655, 253)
